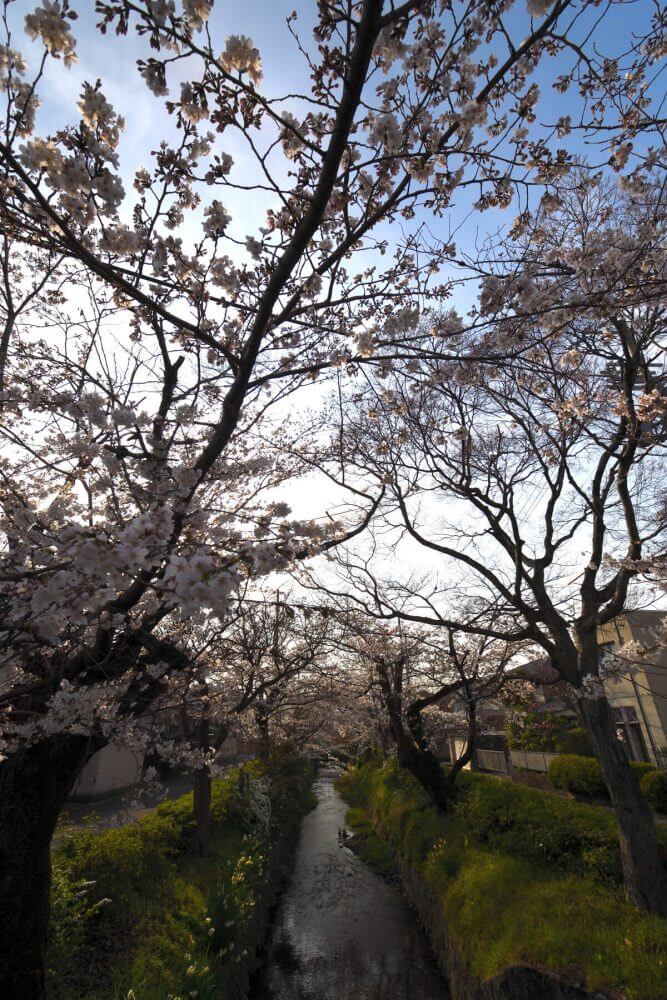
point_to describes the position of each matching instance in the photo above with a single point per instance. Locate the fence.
(491, 760)
(531, 760)
(496, 760)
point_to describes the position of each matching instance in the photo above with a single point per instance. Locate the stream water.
(341, 932)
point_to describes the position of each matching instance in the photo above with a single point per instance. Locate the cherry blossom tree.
(415, 672)
(547, 461)
(260, 662)
(150, 343)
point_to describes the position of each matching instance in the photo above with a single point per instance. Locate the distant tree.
(415, 674)
(549, 462)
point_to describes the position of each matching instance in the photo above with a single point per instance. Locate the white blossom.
(216, 219)
(197, 12)
(537, 8)
(290, 139)
(241, 56)
(48, 24)
(385, 131)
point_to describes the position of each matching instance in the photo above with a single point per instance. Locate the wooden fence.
(497, 760)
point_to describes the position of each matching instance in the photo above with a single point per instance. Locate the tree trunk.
(262, 720)
(411, 749)
(34, 784)
(202, 810)
(202, 791)
(469, 752)
(644, 874)
(425, 767)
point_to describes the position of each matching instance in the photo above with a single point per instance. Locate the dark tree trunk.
(202, 810)
(34, 784)
(417, 758)
(411, 748)
(644, 874)
(202, 793)
(468, 754)
(263, 726)
(426, 768)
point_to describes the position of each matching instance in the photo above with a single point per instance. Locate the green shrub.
(641, 767)
(654, 787)
(506, 867)
(578, 775)
(505, 912)
(371, 848)
(529, 730)
(582, 775)
(134, 913)
(574, 741)
(540, 826)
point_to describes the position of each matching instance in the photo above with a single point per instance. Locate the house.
(638, 697)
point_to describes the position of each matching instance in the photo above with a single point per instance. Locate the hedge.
(135, 916)
(654, 787)
(575, 741)
(582, 775)
(524, 878)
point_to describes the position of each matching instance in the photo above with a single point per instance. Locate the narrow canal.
(341, 932)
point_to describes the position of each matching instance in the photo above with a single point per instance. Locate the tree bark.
(411, 748)
(202, 792)
(426, 768)
(262, 720)
(34, 783)
(644, 875)
(417, 758)
(202, 810)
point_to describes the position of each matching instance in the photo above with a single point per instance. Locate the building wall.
(111, 770)
(646, 690)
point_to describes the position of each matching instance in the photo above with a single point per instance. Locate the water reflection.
(341, 933)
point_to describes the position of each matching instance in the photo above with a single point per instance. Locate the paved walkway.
(115, 810)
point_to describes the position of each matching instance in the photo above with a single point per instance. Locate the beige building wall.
(646, 690)
(111, 770)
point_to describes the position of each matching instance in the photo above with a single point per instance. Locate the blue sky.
(113, 60)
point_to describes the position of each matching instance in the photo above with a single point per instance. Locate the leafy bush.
(654, 787)
(641, 767)
(506, 912)
(529, 730)
(579, 775)
(574, 741)
(371, 848)
(134, 914)
(542, 827)
(582, 775)
(505, 866)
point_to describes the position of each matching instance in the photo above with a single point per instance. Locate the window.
(629, 732)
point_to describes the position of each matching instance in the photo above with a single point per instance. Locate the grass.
(523, 877)
(135, 915)
(370, 847)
